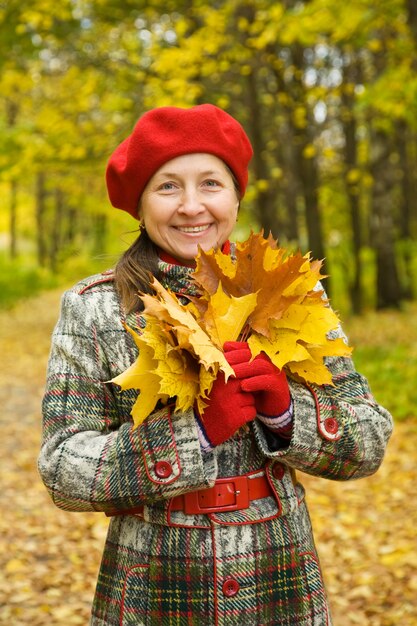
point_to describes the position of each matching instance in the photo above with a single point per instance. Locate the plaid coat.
(256, 566)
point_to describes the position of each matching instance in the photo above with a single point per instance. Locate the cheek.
(154, 216)
(232, 214)
(228, 210)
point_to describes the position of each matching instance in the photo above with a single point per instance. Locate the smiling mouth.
(193, 229)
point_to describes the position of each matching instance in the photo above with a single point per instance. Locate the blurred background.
(327, 92)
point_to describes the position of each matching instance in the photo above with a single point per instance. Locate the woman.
(209, 525)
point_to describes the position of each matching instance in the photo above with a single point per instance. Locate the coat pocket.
(135, 604)
(315, 593)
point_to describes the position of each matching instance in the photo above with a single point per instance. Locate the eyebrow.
(205, 173)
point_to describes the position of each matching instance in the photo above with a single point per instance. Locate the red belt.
(228, 494)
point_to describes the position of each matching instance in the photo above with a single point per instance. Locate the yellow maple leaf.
(319, 321)
(179, 374)
(225, 317)
(310, 372)
(207, 378)
(334, 347)
(309, 276)
(141, 375)
(281, 348)
(185, 327)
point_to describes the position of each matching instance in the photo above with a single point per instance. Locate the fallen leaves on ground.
(367, 538)
(365, 530)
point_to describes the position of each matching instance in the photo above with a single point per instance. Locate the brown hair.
(134, 271)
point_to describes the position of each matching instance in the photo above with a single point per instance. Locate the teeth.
(192, 229)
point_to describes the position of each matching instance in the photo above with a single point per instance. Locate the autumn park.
(327, 92)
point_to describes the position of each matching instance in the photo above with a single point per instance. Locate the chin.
(208, 245)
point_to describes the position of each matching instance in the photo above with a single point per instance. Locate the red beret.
(165, 133)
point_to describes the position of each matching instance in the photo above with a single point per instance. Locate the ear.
(139, 214)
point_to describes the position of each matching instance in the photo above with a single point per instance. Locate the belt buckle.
(234, 490)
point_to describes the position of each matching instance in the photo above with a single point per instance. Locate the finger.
(255, 368)
(238, 356)
(259, 383)
(264, 357)
(235, 345)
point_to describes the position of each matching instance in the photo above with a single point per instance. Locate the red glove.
(268, 384)
(228, 409)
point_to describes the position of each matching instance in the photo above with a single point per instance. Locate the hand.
(268, 384)
(229, 408)
(259, 376)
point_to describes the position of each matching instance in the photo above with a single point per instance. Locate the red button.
(331, 425)
(278, 471)
(163, 469)
(230, 587)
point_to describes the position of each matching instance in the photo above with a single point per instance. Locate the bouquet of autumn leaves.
(263, 295)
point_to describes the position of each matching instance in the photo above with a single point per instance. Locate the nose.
(190, 202)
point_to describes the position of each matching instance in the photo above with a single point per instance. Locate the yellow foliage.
(263, 294)
(141, 375)
(262, 184)
(353, 175)
(226, 316)
(309, 151)
(177, 357)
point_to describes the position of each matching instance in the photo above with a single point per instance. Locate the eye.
(167, 186)
(211, 183)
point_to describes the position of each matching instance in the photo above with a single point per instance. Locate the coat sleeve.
(91, 458)
(339, 432)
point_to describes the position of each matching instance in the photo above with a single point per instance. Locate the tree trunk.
(40, 219)
(352, 186)
(13, 220)
(100, 231)
(408, 199)
(407, 204)
(12, 110)
(309, 177)
(265, 211)
(71, 224)
(305, 163)
(290, 191)
(56, 235)
(388, 289)
(411, 8)
(290, 183)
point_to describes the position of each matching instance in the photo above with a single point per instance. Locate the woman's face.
(190, 201)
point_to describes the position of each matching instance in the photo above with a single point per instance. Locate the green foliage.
(20, 280)
(392, 383)
(385, 351)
